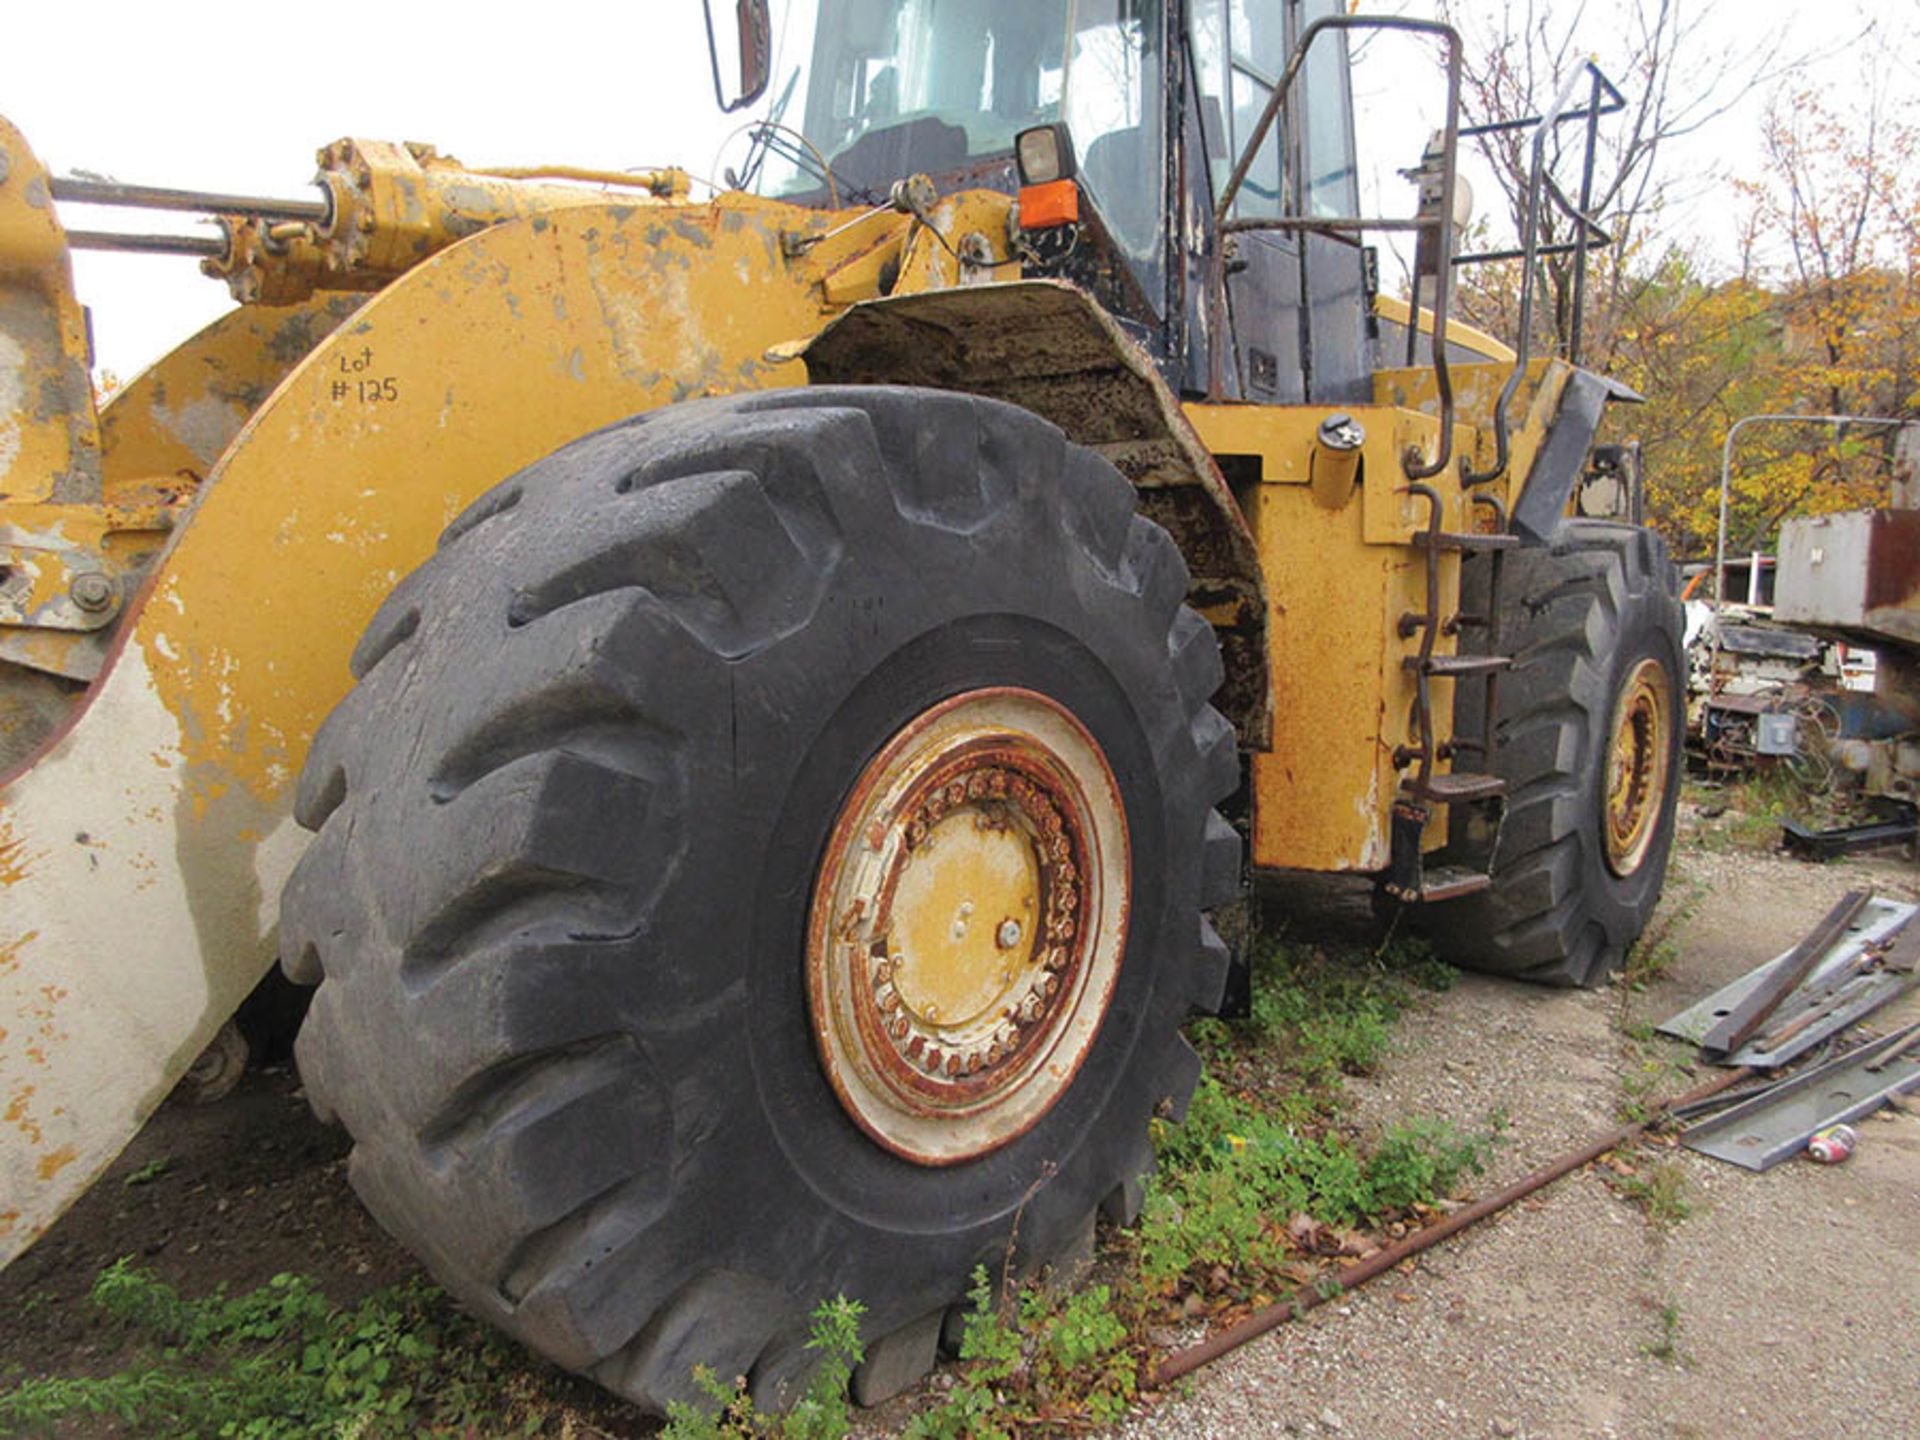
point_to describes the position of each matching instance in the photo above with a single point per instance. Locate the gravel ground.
(1794, 1295)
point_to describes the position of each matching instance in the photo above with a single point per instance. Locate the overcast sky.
(239, 100)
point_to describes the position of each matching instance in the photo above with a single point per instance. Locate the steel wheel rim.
(967, 925)
(1639, 766)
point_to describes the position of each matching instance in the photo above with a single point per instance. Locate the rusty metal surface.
(1046, 346)
(967, 924)
(1855, 574)
(1744, 1020)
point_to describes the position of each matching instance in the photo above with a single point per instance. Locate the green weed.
(1666, 1345)
(1661, 1191)
(1232, 1176)
(283, 1361)
(1657, 950)
(1066, 1362)
(820, 1414)
(149, 1172)
(1649, 1078)
(1317, 1016)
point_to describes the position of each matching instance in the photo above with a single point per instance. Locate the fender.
(1047, 346)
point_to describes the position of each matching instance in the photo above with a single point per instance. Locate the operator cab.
(1157, 99)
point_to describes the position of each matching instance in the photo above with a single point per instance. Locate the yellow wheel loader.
(743, 707)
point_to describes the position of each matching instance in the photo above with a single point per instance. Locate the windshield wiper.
(758, 143)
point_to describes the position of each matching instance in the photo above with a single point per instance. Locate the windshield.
(876, 90)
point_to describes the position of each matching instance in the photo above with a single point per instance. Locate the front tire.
(602, 776)
(1589, 727)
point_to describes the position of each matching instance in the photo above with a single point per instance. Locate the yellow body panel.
(1338, 580)
(175, 420)
(49, 435)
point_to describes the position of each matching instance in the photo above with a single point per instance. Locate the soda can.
(1833, 1144)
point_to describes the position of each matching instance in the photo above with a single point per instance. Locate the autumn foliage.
(1823, 319)
(1817, 314)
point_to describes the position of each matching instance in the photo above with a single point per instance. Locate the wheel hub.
(1639, 766)
(967, 924)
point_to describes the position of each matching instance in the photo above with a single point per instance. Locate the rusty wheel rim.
(1639, 766)
(967, 924)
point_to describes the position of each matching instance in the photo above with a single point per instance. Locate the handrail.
(1539, 182)
(1440, 223)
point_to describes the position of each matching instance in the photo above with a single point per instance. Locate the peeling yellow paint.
(13, 860)
(18, 1116)
(52, 1163)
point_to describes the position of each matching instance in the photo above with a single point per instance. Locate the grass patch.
(1319, 1014)
(1744, 815)
(1248, 1194)
(283, 1361)
(1037, 1362)
(1260, 1192)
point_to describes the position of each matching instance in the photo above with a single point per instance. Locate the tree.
(1675, 80)
(1823, 320)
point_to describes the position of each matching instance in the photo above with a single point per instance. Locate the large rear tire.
(588, 904)
(1590, 726)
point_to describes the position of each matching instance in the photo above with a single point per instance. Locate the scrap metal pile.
(1863, 956)
(1818, 673)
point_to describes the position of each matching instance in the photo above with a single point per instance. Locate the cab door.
(1239, 50)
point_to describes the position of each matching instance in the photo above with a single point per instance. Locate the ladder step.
(1463, 540)
(1459, 664)
(1459, 786)
(1450, 882)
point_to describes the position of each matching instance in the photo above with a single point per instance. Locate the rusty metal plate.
(967, 925)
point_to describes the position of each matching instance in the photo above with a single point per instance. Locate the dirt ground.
(1791, 1299)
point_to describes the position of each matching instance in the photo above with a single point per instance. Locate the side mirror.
(752, 34)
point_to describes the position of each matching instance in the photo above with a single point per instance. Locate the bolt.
(91, 591)
(1008, 935)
